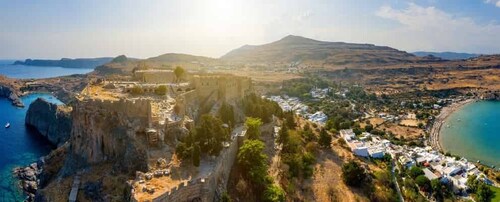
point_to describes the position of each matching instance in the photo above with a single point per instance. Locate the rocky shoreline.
(11, 94)
(29, 178)
(439, 121)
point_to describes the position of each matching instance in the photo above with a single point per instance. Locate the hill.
(446, 55)
(84, 63)
(122, 64)
(180, 58)
(297, 49)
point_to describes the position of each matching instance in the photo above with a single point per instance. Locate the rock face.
(107, 132)
(8, 92)
(50, 120)
(28, 177)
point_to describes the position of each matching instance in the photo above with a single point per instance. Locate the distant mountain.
(84, 63)
(122, 64)
(446, 55)
(180, 58)
(296, 49)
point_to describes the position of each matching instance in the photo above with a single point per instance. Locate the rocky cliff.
(50, 120)
(8, 92)
(106, 132)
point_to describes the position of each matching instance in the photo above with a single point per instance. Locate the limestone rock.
(106, 132)
(10, 93)
(50, 120)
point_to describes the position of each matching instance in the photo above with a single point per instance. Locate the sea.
(19, 145)
(34, 72)
(473, 132)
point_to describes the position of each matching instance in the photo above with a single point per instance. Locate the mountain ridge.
(291, 49)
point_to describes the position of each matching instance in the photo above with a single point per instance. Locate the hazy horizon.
(60, 29)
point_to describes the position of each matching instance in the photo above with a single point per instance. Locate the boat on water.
(7, 125)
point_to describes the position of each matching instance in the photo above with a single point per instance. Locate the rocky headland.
(51, 120)
(86, 63)
(9, 90)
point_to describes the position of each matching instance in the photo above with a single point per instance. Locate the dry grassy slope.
(319, 53)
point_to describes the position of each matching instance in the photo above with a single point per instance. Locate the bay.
(473, 132)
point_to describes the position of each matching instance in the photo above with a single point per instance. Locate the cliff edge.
(50, 120)
(9, 93)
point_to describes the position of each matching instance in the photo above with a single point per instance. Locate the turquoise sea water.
(20, 146)
(34, 72)
(474, 132)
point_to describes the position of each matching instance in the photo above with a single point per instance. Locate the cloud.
(496, 2)
(429, 28)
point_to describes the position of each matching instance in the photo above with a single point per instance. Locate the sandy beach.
(439, 121)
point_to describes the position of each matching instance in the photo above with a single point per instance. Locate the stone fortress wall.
(206, 188)
(154, 76)
(129, 107)
(226, 87)
(108, 126)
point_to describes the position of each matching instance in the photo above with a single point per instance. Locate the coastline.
(439, 121)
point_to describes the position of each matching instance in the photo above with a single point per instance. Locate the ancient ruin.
(137, 124)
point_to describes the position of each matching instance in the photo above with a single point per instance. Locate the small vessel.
(7, 125)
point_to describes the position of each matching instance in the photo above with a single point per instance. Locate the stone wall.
(155, 76)
(130, 108)
(226, 87)
(189, 103)
(206, 188)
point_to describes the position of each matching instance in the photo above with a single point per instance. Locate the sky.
(55, 29)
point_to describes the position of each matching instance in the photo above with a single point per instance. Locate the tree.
(368, 127)
(423, 182)
(325, 139)
(196, 155)
(226, 114)
(137, 90)
(437, 189)
(253, 127)
(308, 134)
(226, 197)
(283, 135)
(253, 161)
(274, 193)
(415, 171)
(472, 183)
(484, 192)
(353, 174)
(161, 90)
(210, 134)
(179, 73)
(290, 120)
